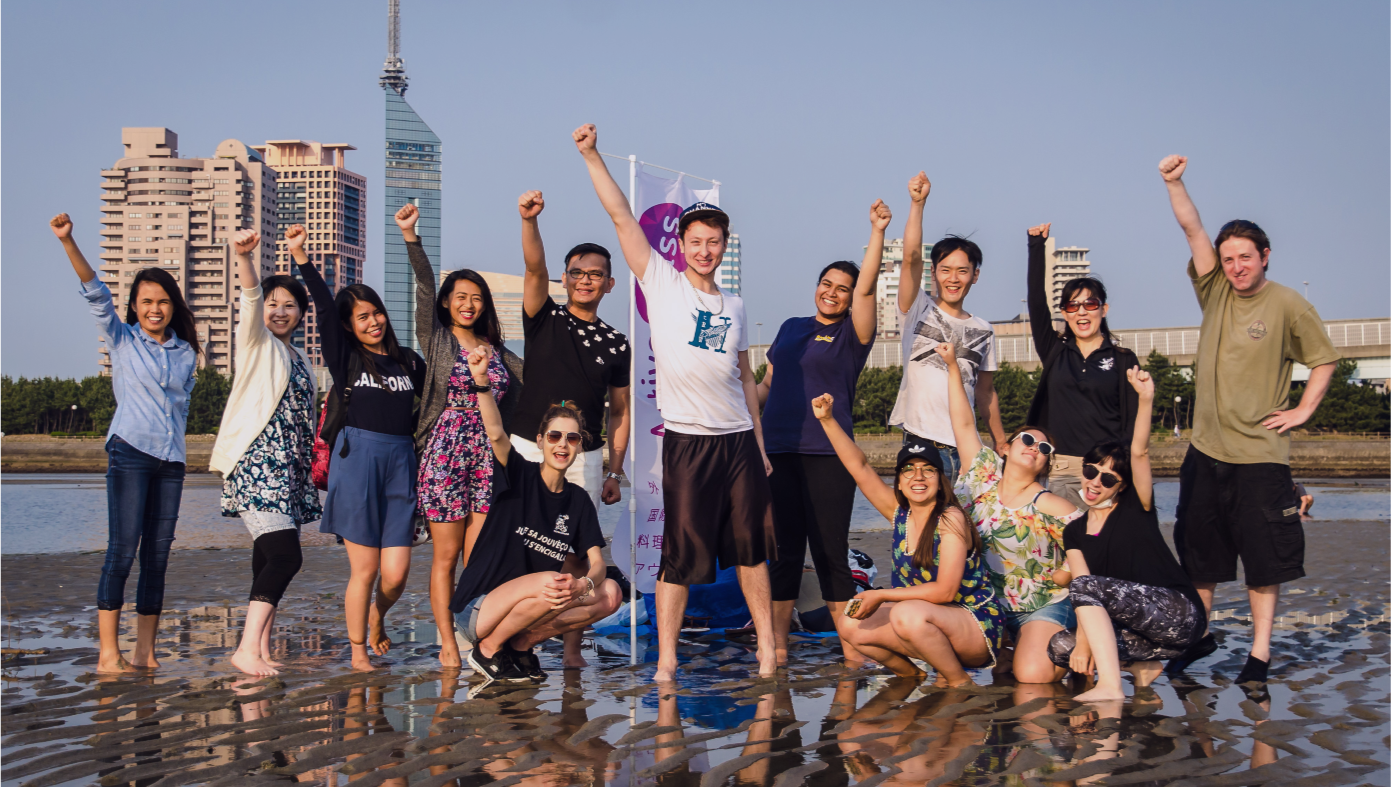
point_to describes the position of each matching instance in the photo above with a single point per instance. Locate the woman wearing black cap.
(941, 608)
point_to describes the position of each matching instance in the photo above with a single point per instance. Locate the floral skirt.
(456, 471)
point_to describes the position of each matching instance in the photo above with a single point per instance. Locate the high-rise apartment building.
(1060, 267)
(507, 291)
(730, 275)
(886, 289)
(316, 189)
(412, 175)
(178, 214)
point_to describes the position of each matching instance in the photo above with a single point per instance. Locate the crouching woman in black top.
(1135, 605)
(515, 591)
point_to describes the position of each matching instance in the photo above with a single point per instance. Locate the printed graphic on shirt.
(827, 339)
(710, 332)
(398, 383)
(971, 346)
(1257, 331)
(1107, 364)
(597, 337)
(553, 548)
(560, 526)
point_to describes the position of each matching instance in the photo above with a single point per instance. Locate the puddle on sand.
(1324, 720)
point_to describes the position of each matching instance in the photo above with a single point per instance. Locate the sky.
(1020, 113)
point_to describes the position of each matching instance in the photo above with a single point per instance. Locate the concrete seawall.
(1308, 458)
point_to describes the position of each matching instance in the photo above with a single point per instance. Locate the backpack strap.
(1041, 493)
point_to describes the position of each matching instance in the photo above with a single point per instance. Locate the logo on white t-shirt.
(710, 335)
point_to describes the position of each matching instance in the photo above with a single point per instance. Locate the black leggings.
(1151, 623)
(275, 559)
(813, 497)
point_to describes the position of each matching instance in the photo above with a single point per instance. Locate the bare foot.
(573, 661)
(781, 654)
(377, 638)
(144, 661)
(272, 662)
(361, 661)
(449, 657)
(114, 665)
(252, 664)
(944, 682)
(768, 663)
(1101, 694)
(1144, 671)
(666, 673)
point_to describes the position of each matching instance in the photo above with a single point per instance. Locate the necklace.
(701, 301)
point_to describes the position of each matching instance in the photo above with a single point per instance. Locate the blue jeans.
(142, 504)
(951, 461)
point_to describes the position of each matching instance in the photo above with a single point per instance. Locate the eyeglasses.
(553, 437)
(1030, 441)
(576, 273)
(912, 471)
(1090, 304)
(1108, 480)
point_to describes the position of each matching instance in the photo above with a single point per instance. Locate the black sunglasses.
(1030, 441)
(1108, 480)
(553, 437)
(1090, 304)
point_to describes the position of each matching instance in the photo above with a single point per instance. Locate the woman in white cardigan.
(265, 446)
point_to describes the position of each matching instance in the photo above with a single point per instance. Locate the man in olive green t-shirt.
(1236, 497)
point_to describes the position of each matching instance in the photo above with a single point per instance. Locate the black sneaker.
(498, 668)
(1201, 649)
(528, 664)
(1254, 671)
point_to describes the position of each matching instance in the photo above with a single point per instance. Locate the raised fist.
(880, 215)
(1172, 167)
(1041, 230)
(821, 406)
(62, 226)
(586, 138)
(478, 363)
(294, 238)
(1141, 381)
(919, 187)
(245, 240)
(407, 216)
(948, 352)
(531, 204)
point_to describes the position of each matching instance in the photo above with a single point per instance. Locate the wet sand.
(1323, 721)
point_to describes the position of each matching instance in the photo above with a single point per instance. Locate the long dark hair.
(492, 328)
(1096, 288)
(925, 555)
(182, 322)
(346, 299)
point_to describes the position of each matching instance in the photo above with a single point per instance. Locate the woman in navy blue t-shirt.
(813, 494)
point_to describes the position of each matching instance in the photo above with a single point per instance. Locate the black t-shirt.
(570, 359)
(1084, 399)
(1130, 547)
(529, 529)
(388, 406)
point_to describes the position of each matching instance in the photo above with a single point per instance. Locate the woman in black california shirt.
(370, 422)
(1083, 398)
(1134, 604)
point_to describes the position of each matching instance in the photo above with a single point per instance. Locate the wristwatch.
(619, 477)
(476, 388)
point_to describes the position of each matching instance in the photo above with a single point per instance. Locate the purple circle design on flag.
(659, 223)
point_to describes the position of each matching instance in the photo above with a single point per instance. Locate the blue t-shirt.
(810, 359)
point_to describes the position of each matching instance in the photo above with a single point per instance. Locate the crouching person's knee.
(610, 598)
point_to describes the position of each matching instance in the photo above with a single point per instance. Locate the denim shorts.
(466, 620)
(1059, 613)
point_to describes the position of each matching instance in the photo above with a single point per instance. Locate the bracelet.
(615, 476)
(476, 388)
(590, 590)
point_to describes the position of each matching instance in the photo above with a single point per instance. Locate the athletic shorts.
(1228, 511)
(718, 506)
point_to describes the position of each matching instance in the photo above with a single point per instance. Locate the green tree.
(1015, 388)
(208, 400)
(1348, 406)
(875, 394)
(1170, 381)
(759, 372)
(98, 401)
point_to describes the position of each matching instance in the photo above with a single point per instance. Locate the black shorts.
(1226, 511)
(813, 497)
(718, 505)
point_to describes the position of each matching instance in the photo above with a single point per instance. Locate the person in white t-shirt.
(714, 467)
(921, 410)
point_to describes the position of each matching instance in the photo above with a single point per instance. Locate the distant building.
(506, 290)
(730, 274)
(886, 290)
(315, 189)
(178, 214)
(1060, 267)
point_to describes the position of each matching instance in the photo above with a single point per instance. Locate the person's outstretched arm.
(330, 329)
(910, 278)
(103, 307)
(631, 239)
(251, 326)
(487, 405)
(1142, 476)
(62, 227)
(1204, 256)
(875, 491)
(536, 285)
(1040, 310)
(426, 318)
(963, 421)
(863, 306)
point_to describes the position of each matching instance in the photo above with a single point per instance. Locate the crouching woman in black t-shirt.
(514, 592)
(1134, 604)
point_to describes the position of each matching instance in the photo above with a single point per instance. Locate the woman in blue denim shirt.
(154, 355)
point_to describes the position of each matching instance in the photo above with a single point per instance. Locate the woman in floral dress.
(265, 446)
(1021, 525)
(941, 608)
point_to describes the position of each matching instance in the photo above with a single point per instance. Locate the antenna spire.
(394, 71)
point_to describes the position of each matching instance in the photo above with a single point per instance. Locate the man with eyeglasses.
(1236, 496)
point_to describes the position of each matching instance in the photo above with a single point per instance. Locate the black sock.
(1254, 671)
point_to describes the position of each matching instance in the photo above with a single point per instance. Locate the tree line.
(58, 406)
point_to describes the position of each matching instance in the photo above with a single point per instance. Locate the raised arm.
(631, 239)
(426, 318)
(878, 494)
(330, 329)
(1204, 256)
(536, 285)
(97, 294)
(1140, 472)
(487, 405)
(243, 243)
(862, 307)
(910, 278)
(1040, 310)
(963, 421)
(251, 325)
(62, 227)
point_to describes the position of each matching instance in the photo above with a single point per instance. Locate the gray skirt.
(371, 491)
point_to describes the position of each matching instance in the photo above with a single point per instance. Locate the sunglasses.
(554, 436)
(1108, 480)
(914, 470)
(1030, 441)
(577, 274)
(1090, 304)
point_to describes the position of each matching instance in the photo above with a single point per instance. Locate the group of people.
(1039, 554)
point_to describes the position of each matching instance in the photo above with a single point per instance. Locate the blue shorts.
(1059, 613)
(466, 620)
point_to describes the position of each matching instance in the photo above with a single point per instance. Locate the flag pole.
(632, 427)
